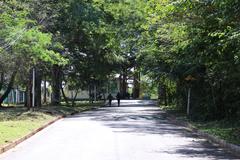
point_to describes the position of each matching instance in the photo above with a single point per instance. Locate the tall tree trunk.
(56, 85)
(9, 87)
(104, 97)
(26, 97)
(169, 95)
(38, 89)
(29, 91)
(74, 98)
(180, 96)
(64, 96)
(120, 84)
(221, 108)
(1, 80)
(136, 88)
(90, 93)
(124, 84)
(165, 95)
(159, 92)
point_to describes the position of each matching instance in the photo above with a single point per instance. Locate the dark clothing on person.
(118, 98)
(110, 98)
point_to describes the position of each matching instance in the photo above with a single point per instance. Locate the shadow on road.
(134, 103)
(152, 121)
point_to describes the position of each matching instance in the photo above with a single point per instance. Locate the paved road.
(135, 131)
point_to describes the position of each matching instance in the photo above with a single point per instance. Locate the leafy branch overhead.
(82, 43)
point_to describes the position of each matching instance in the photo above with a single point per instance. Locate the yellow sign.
(190, 78)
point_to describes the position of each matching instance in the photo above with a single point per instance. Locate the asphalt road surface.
(135, 131)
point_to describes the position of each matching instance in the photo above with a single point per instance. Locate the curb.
(20, 140)
(77, 112)
(16, 142)
(235, 149)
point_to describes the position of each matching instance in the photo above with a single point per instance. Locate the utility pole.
(33, 87)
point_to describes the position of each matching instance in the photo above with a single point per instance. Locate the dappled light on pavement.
(135, 131)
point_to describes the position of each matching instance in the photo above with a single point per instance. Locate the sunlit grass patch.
(14, 126)
(16, 122)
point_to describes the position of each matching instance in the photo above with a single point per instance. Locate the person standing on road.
(110, 98)
(118, 98)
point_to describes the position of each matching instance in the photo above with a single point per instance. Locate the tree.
(23, 43)
(194, 38)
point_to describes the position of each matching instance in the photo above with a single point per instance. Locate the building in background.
(16, 96)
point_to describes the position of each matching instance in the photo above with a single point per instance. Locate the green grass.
(228, 130)
(172, 109)
(224, 129)
(85, 103)
(16, 122)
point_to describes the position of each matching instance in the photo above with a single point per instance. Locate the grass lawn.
(16, 122)
(225, 129)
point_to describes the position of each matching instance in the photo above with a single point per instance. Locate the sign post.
(189, 79)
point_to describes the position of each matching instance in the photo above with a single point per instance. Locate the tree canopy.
(85, 42)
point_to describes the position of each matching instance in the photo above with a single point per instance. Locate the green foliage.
(198, 38)
(22, 37)
(224, 129)
(166, 40)
(23, 45)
